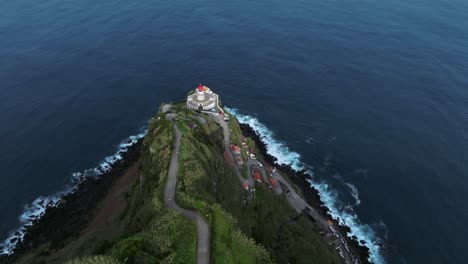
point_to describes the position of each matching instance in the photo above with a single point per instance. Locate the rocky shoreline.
(75, 210)
(311, 195)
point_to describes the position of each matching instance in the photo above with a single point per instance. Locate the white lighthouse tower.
(200, 93)
(202, 99)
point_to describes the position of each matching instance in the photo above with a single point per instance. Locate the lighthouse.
(202, 99)
(200, 93)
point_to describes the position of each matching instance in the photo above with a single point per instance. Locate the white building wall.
(207, 105)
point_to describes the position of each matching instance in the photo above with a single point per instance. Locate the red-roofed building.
(235, 149)
(256, 174)
(272, 182)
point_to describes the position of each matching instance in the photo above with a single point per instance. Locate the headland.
(216, 173)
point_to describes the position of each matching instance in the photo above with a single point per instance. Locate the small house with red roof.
(235, 149)
(257, 174)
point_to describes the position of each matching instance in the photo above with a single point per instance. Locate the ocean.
(371, 97)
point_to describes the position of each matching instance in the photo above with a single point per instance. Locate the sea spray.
(328, 196)
(37, 208)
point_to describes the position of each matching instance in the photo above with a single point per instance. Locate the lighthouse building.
(202, 99)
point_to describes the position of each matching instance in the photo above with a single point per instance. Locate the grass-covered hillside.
(264, 229)
(207, 182)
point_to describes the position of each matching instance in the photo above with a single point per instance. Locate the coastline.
(311, 195)
(74, 210)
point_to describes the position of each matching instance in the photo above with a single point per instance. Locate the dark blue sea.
(369, 96)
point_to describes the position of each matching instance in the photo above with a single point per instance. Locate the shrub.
(126, 249)
(94, 260)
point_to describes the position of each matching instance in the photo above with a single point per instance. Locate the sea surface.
(371, 97)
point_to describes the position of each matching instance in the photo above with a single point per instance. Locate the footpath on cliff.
(203, 229)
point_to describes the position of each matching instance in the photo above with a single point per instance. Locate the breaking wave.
(365, 235)
(352, 190)
(38, 207)
(354, 193)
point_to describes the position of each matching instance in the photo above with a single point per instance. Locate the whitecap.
(310, 140)
(354, 193)
(365, 235)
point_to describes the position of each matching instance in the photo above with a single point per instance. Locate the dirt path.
(203, 229)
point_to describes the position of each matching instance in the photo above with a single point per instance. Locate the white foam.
(328, 196)
(354, 193)
(276, 148)
(352, 190)
(37, 208)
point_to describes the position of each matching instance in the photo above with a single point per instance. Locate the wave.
(37, 208)
(365, 235)
(354, 193)
(352, 190)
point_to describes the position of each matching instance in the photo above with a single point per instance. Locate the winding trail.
(203, 229)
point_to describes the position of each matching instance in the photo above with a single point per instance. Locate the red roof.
(200, 88)
(256, 174)
(272, 181)
(235, 148)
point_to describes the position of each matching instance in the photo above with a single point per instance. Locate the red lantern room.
(200, 88)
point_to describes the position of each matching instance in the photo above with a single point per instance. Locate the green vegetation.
(263, 229)
(156, 232)
(288, 236)
(244, 171)
(153, 233)
(236, 133)
(206, 181)
(231, 245)
(95, 260)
